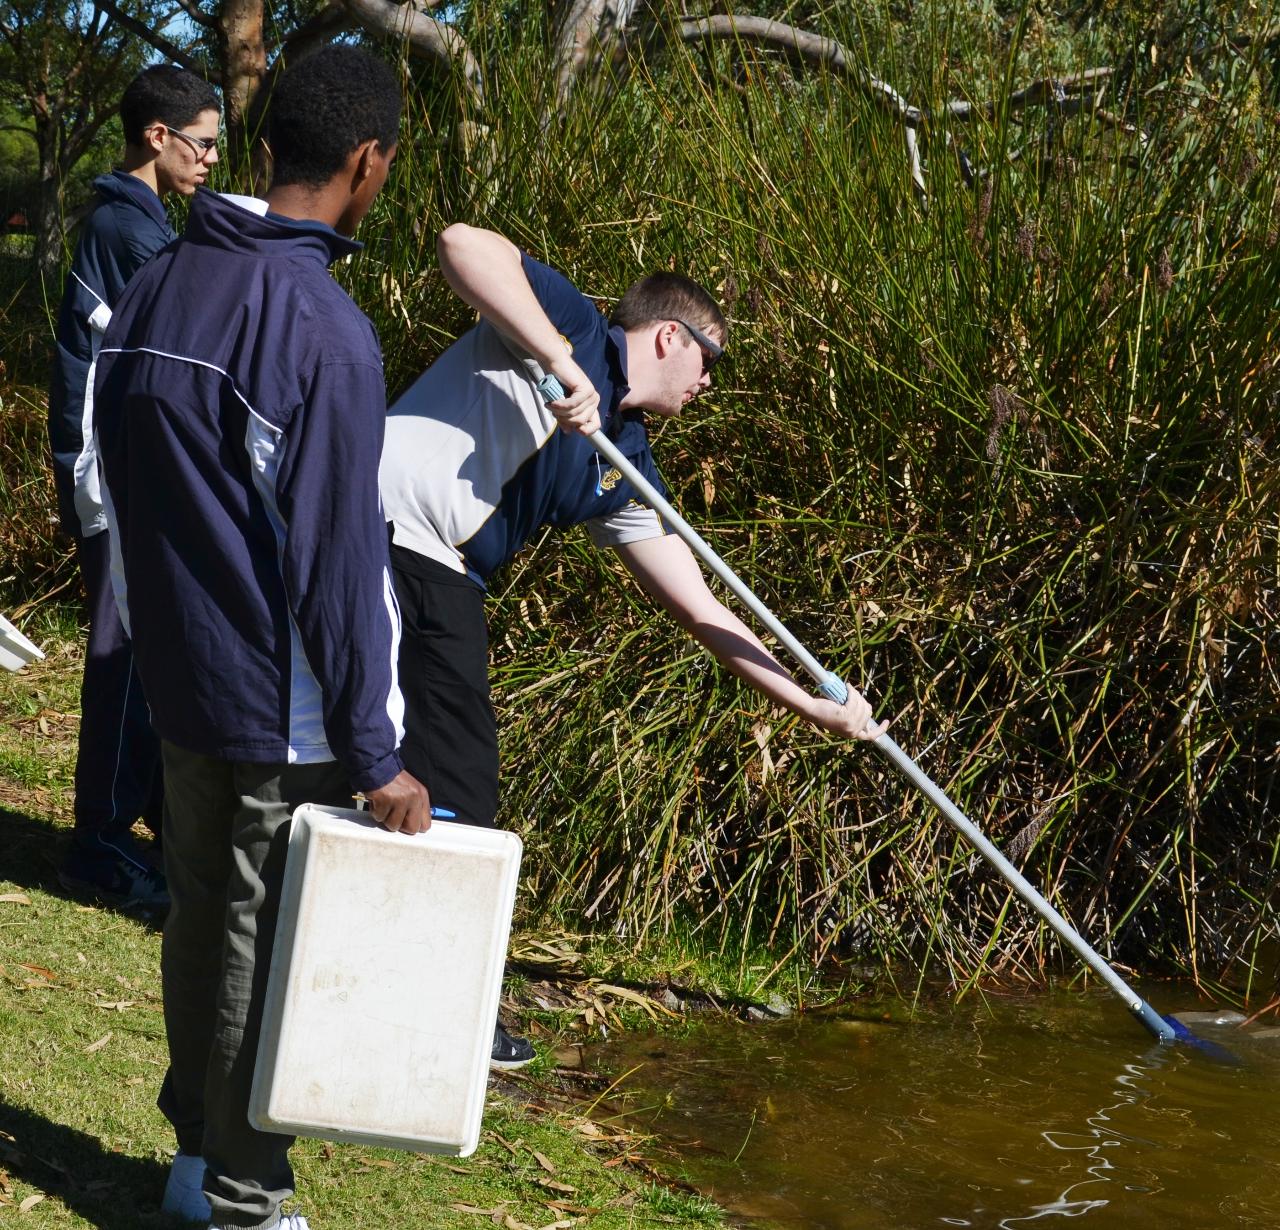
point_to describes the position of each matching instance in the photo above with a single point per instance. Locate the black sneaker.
(115, 875)
(509, 1052)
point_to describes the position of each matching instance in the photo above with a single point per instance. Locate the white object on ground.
(15, 650)
(385, 978)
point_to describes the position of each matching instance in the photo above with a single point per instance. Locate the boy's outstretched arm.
(485, 270)
(668, 572)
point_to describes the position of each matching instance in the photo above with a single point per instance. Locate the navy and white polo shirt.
(474, 464)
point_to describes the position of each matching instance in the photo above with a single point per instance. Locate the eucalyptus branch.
(586, 32)
(813, 49)
(1050, 90)
(427, 37)
(193, 10)
(163, 45)
(317, 31)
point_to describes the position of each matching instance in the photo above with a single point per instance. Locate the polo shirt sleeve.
(573, 314)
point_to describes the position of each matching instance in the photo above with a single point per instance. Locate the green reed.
(999, 455)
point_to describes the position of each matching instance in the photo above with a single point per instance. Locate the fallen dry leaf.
(118, 1005)
(15, 898)
(478, 1212)
(544, 1161)
(38, 969)
(510, 1223)
(101, 1042)
(30, 1203)
(554, 1185)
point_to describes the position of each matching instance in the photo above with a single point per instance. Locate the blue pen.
(437, 813)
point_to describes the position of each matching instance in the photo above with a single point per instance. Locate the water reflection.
(1101, 1134)
(993, 1115)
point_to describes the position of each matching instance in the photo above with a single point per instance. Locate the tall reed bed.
(999, 453)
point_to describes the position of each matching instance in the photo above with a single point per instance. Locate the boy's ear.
(153, 138)
(362, 157)
(665, 337)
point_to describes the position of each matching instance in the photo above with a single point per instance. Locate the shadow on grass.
(107, 1189)
(30, 853)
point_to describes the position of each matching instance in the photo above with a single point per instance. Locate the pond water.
(986, 1113)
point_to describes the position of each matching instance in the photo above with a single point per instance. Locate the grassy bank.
(81, 1141)
(996, 447)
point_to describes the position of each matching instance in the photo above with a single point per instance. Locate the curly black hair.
(326, 106)
(164, 94)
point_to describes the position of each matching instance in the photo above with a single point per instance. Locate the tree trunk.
(46, 225)
(46, 213)
(586, 34)
(242, 50)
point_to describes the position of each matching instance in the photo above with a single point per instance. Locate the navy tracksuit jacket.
(241, 413)
(128, 227)
(117, 763)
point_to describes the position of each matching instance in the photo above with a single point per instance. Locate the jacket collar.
(615, 351)
(122, 186)
(219, 222)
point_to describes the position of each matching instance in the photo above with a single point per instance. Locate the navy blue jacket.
(241, 408)
(126, 229)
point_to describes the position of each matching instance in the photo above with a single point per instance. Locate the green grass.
(83, 1038)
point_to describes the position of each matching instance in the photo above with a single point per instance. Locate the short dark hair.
(668, 296)
(164, 94)
(323, 108)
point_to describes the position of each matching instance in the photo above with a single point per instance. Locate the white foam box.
(384, 985)
(15, 650)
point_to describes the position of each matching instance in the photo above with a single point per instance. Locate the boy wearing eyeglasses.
(474, 464)
(170, 120)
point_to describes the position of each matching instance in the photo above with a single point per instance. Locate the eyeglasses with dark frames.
(200, 146)
(711, 351)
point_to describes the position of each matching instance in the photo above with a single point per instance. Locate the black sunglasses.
(711, 351)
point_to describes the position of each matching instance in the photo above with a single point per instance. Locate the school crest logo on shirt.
(610, 480)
